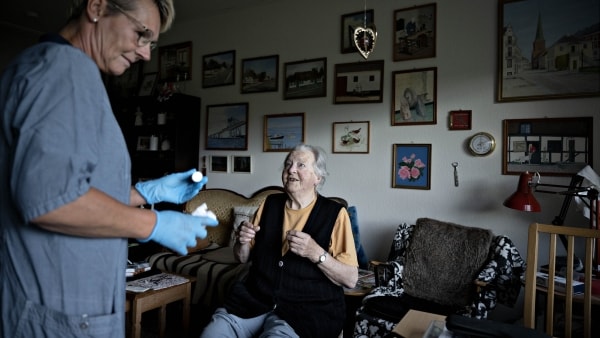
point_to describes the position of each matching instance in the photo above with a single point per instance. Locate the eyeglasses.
(144, 35)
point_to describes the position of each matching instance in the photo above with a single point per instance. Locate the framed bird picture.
(351, 137)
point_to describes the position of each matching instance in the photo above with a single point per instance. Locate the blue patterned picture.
(412, 166)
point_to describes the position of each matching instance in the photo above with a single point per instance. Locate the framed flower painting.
(411, 166)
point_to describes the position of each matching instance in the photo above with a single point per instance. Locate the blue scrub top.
(58, 138)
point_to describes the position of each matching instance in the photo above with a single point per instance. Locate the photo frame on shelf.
(143, 143)
(227, 126)
(305, 79)
(359, 82)
(175, 62)
(219, 164)
(459, 120)
(549, 146)
(351, 137)
(218, 69)
(414, 32)
(147, 85)
(282, 132)
(530, 63)
(260, 74)
(241, 164)
(349, 24)
(414, 96)
(411, 166)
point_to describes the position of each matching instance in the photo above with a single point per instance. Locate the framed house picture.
(175, 62)
(304, 79)
(359, 82)
(411, 166)
(218, 69)
(414, 96)
(546, 49)
(349, 24)
(549, 146)
(227, 126)
(260, 74)
(282, 132)
(351, 137)
(414, 33)
(219, 164)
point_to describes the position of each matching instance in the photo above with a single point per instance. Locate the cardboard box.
(560, 283)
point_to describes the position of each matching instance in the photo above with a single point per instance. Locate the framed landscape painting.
(175, 62)
(547, 49)
(283, 131)
(260, 74)
(227, 127)
(303, 79)
(218, 69)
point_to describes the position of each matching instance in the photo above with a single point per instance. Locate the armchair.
(442, 268)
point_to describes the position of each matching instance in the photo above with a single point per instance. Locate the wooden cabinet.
(162, 137)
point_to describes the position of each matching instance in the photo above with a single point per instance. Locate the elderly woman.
(302, 253)
(66, 203)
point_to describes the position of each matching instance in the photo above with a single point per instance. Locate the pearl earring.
(95, 20)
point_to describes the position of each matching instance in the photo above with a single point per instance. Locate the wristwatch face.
(322, 258)
(481, 144)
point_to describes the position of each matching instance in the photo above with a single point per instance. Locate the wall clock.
(482, 144)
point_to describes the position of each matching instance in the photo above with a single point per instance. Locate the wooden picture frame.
(359, 82)
(219, 164)
(414, 33)
(260, 74)
(147, 85)
(305, 79)
(459, 120)
(536, 60)
(227, 126)
(549, 146)
(241, 164)
(218, 69)
(175, 62)
(282, 132)
(351, 137)
(411, 166)
(414, 100)
(349, 24)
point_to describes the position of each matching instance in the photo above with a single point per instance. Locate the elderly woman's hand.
(303, 245)
(246, 232)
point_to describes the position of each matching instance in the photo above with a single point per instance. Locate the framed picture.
(414, 33)
(459, 120)
(303, 79)
(175, 62)
(351, 137)
(283, 131)
(219, 164)
(414, 100)
(411, 166)
(349, 24)
(147, 85)
(546, 49)
(550, 146)
(242, 164)
(227, 126)
(359, 82)
(143, 143)
(260, 74)
(218, 69)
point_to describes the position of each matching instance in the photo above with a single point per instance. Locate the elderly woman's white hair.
(320, 166)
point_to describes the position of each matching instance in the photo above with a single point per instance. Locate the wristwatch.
(322, 258)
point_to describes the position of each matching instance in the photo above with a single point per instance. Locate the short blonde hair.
(165, 9)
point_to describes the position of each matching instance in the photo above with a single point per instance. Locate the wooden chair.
(589, 236)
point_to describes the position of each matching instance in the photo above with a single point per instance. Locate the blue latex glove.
(175, 188)
(178, 231)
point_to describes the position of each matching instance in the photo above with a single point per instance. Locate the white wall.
(466, 63)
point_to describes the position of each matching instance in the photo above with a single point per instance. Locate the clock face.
(482, 144)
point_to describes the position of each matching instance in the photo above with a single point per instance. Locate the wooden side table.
(140, 302)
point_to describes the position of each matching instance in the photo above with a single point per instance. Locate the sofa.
(211, 261)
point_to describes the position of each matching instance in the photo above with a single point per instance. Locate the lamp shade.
(523, 199)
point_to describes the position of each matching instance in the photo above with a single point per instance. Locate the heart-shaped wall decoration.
(364, 40)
